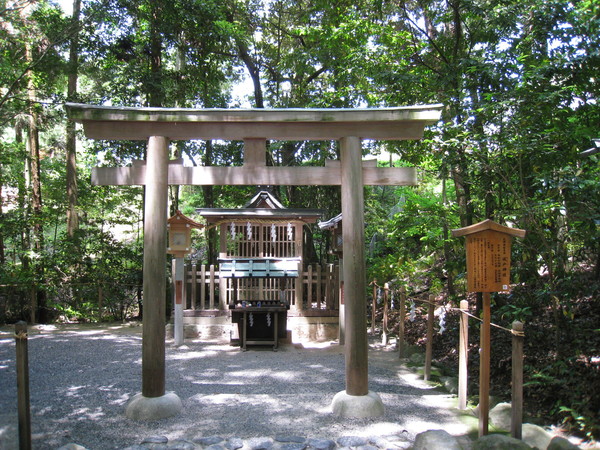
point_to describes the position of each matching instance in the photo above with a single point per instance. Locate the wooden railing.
(316, 290)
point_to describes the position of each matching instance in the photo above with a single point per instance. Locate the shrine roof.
(248, 214)
(109, 122)
(331, 223)
(488, 225)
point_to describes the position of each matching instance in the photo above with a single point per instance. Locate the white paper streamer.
(249, 230)
(290, 231)
(413, 312)
(251, 319)
(269, 319)
(232, 231)
(441, 313)
(273, 232)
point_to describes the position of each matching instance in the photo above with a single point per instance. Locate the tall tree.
(71, 138)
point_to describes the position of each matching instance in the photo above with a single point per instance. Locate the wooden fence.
(316, 290)
(517, 354)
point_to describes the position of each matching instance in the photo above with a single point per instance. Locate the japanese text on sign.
(488, 261)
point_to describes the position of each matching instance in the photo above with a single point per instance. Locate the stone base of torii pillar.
(153, 408)
(360, 406)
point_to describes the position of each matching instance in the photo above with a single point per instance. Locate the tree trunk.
(155, 89)
(2, 256)
(254, 72)
(71, 175)
(36, 186)
(209, 202)
(446, 236)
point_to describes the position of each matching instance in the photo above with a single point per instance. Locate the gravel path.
(81, 378)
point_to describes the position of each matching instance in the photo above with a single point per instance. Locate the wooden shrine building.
(262, 234)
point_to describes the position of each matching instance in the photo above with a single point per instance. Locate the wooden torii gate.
(254, 126)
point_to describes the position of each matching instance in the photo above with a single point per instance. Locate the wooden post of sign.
(484, 366)
(516, 424)
(22, 363)
(463, 355)
(384, 332)
(401, 321)
(429, 346)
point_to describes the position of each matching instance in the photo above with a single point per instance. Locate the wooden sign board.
(488, 255)
(488, 261)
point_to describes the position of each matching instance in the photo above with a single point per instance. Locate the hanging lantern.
(180, 228)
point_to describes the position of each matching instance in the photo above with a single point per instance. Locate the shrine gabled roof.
(488, 225)
(264, 198)
(331, 223)
(254, 210)
(180, 219)
(213, 215)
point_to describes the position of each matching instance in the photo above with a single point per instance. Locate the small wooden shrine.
(262, 228)
(261, 265)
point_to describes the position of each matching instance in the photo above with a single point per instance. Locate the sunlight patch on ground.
(122, 400)
(88, 414)
(73, 391)
(190, 355)
(381, 429)
(284, 375)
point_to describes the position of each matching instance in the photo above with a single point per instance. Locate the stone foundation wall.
(300, 329)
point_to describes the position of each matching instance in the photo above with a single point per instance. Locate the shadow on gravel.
(81, 380)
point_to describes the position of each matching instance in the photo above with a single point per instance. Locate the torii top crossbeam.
(101, 122)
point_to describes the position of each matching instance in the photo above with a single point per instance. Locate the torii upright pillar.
(153, 403)
(356, 400)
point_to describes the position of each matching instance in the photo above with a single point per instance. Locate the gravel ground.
(81, 378)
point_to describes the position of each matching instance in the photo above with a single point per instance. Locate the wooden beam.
(239, 124)
(154, 276)
(356, 345)
(403, 130)
(254, 175)
(255, 153)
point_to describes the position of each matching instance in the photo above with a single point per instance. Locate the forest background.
(518, 80)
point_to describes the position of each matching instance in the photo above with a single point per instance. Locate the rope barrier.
(511, 331)
(427, 302)
(21, 335)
